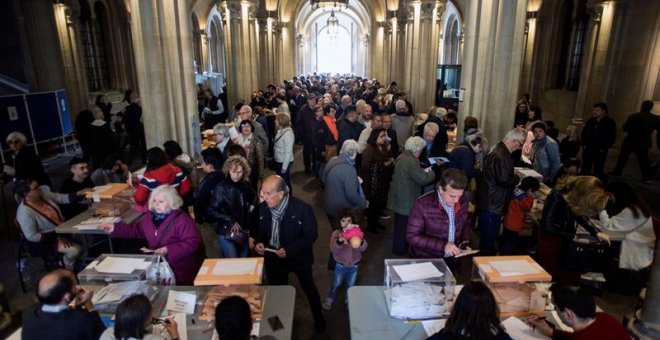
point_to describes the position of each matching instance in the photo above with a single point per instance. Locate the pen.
(160, 309)
(208, 329)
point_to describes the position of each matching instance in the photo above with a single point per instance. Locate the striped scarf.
(276, 215)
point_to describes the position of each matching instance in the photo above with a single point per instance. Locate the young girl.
(347, 253)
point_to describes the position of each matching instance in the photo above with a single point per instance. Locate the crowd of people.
(372, 155)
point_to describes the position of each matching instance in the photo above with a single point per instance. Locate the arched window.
(334, 51)
(95, 42)
(577, 50)
(566, 26)
(197, 43)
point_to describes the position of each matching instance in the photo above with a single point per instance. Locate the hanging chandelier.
(333, 25)
(334, 4)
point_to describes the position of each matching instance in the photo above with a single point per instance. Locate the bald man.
(287, 232)
(66, 310)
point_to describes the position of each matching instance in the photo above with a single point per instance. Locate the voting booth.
(418, 289)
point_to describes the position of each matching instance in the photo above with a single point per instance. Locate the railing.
(14, 84)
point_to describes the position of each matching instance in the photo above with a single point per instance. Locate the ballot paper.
(115, 292)
(514, 267)
(183, 302)
(417, 271)
(235, 267)
(433, 326)
(86, 226)
(438, 160)
(121, 265)
(416, 301)
(181, 325)
(518, 330)
(100, 220)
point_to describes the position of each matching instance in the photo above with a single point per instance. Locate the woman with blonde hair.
(572, 202)
(283, 147)
(169, 232)
(230, 206)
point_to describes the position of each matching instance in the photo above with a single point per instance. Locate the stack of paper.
(121, 265)
(519, 330)
(514, 267)
(111, 295)
(417, 271)
(417, 300)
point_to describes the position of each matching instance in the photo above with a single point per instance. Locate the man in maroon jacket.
(437, 225)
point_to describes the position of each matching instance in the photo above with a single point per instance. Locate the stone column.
(598, 75)
(268, 51)
(241, 49)
(162, 37)
(492, 63)
(421, 55)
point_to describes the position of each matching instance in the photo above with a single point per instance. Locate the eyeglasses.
(14, 141)
(521, 144)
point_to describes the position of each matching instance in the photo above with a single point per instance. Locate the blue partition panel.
(44, 116)
(65, 112)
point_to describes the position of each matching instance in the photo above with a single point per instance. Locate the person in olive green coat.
(407, 183)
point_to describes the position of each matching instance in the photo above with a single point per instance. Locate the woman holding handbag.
(230, 207)
(169, 231)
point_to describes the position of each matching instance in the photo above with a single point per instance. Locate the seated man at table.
(78, 181)
(38, 215)
(233, 319)
(54, 318)
(437, 225)
(576, 308)
(287, 232)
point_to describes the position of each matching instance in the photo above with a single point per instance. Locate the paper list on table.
(235, 267)
(514, 267)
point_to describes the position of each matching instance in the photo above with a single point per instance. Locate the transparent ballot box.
(117, 267)
(520, 285)
(418, 289)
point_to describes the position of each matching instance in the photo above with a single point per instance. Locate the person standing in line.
(598, 136)
(639, 127)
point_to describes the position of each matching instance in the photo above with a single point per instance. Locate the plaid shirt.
(452, 219)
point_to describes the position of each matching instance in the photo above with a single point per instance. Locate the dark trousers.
(593, 161)
(278, 277)
(286, 175)
(489, 225)
(642, 155)
(509, 242)
(308, 150)
(399, 243)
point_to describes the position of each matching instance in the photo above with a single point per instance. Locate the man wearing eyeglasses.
(66, 310)
(495, 188)
(24, 163)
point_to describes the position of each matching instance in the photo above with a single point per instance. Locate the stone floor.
(307, 188)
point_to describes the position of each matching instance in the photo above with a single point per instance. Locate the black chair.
(46, 251)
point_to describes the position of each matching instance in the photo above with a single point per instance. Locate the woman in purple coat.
(169, 232)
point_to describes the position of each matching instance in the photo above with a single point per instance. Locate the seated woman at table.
(630, 220)
(160, 171)
(38, 215)
(113, 170)
(233, 319)
(169, 232)
(230, 206)
(571, 203)
(134, 320)
(475, 315)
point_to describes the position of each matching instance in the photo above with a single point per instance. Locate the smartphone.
(275, 323)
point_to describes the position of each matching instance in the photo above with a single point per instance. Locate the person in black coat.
(435, 135)
(135, 129)
(82, 127)
(598, 135)
(639, 127)
(348, 126)
(104, 141)
(54, 319)
(212, 162)
(230, 206)
(24, 163)
(306, 128)
(287, 226)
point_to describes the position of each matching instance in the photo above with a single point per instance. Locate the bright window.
(334, 52)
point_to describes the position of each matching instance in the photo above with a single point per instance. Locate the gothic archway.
(216, 42)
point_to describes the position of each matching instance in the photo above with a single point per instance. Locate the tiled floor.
(371, 268)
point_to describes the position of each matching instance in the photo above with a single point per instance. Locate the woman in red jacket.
(160, 171)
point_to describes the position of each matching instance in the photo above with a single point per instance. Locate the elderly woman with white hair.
(221, 137)
(169, 232)
(436, 145)
(342, 186)
(24, 163)
(407, 182)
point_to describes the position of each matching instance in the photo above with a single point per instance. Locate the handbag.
(161, 273)
(330, 151)
(586, 253)
(238, 236)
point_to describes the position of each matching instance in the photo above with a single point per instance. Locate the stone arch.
(451, 51)
(197, 43)
(216, 42)
(310, 22)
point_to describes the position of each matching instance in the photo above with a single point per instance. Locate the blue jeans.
(231, 249)
(342, 271)
(489, 226)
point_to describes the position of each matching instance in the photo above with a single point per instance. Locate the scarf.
(348, 159)
(158, 218)
(332, 126)
(276, 215)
